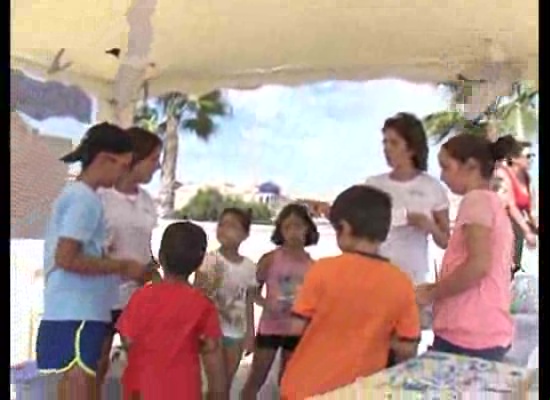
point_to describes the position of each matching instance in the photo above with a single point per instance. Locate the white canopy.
(195, 46)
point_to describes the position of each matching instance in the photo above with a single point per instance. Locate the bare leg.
(232, 356)
(261, 364)
(104, 362)
(77, 384)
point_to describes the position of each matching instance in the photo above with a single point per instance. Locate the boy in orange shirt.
(354, 307)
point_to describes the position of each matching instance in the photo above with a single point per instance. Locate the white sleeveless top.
(130, 221)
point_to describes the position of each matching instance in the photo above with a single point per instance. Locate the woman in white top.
(420, 202)
(130, 215)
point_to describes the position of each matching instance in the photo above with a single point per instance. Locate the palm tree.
(515, 114)
(175, 113)
(519, 116)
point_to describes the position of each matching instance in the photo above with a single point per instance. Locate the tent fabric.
(197, 46)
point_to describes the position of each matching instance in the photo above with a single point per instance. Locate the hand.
(425, 294)
(531, 240)
(420, 221)
(133, 270)
(249, 344)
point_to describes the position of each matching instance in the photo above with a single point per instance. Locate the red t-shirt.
(164, 323)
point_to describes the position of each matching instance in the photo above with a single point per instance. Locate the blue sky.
(312, 140)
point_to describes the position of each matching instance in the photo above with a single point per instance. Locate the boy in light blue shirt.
(80, 283)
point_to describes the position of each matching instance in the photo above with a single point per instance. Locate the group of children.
(165, 328)
(170, 326)
(334, 319)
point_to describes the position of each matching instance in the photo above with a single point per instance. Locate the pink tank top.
(284, 277)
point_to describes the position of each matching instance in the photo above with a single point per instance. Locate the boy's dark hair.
(411, 130)
(366, 209)
(244, 216)
(182, 248)
(144, 143)
(299, 210)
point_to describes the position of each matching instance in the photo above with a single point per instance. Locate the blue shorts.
(62, 344)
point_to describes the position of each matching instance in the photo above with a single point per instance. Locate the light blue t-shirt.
(77, 214)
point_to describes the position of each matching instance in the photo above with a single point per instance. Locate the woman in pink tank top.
(471, 299)
(282, 272)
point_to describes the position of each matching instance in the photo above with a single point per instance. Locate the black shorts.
(115, 315)
(275, 342)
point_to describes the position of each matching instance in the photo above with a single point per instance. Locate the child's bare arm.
(214, 366)
(261, 276)
(250, 311)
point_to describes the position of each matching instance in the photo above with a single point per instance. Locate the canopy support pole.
(134, 64)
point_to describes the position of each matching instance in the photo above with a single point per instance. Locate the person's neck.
(478, 184)
(168, 277)
(365, 246)
(404, 173)
(293, 250)
(88, 177)
(127, 186)
(231, 253)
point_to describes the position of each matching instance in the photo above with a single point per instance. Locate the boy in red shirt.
(169, 325)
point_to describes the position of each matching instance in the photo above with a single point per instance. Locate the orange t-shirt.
(355, 303)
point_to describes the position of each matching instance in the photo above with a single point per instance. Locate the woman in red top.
(513, 183)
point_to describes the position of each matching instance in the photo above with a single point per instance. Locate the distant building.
(268, 193)
(317, 208)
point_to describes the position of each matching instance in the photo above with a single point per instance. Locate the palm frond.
(215, 96)
(146, 117)
(213, 104)
(441, 124)
(526, 118)
(202, 125)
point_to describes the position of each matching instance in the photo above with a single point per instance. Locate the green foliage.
(208, 204)
(192, 115)
(516, 115)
